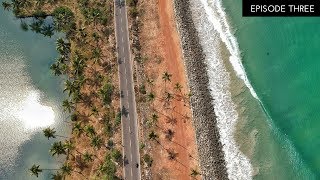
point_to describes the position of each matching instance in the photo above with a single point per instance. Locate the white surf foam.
(212, 26)
(218, 18)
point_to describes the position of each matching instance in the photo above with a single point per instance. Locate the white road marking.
(122, 38)
(123, 49)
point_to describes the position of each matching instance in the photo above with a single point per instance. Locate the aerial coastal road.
(131, 163)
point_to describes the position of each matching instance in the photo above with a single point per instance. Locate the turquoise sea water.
(30, 100)
(282, 60)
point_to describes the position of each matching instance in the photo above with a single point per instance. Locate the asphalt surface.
(131, 163)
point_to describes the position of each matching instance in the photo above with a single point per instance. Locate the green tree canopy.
(64, 19)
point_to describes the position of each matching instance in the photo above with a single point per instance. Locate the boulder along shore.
(211, 155)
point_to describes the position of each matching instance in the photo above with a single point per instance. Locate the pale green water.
(281, 57)
(30, 100)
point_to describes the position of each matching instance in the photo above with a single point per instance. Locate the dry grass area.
(173, 150)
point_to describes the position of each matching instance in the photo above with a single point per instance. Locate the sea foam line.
(218, 18)
(213, 29)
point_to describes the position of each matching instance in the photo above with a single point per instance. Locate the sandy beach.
(160, 42)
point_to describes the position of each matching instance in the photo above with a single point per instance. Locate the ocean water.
(280, 56)
(30, 100)
(264, 79)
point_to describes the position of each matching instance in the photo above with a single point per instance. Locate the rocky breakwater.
(210, 152)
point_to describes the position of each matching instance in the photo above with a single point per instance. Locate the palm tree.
(66, 169)
(67, 105)
(153, 136)
(166, 77)
(56, 69)
(63, 47)
(172, 155)
(77, 128)
(68, 146)
(87, 157)
(178, 87)
(49, 133)
(90, 131)
(151, 96)
(154, 119)
(57, 148)
(95, 111)
(95, 15)
(96, 142)
(35, 170)
(6, 5)
(169, 134)
(194, 173)
(80, 80)
(70, 86)
(78, 64)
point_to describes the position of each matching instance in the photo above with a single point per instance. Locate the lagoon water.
(30, 100)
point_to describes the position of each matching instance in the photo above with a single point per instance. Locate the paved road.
(129, 114)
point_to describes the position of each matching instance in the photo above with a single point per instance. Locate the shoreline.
(207, 133)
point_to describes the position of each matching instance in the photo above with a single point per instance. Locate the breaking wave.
(213, 29)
